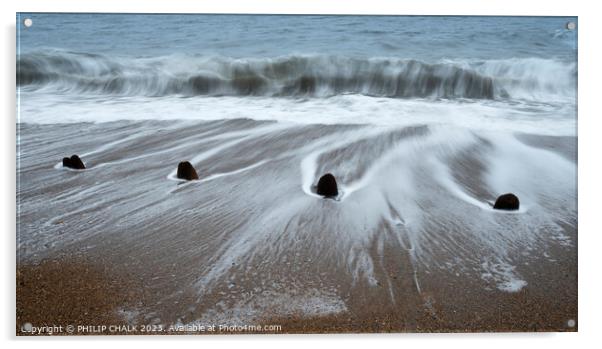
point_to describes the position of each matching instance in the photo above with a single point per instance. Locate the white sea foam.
(503, 275)
(311, 302)
(348, 109)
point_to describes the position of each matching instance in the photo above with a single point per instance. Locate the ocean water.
(424, 122)
(518, 73)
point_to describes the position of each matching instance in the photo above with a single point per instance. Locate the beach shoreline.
(124, 243)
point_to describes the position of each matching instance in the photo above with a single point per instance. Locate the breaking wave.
(295, 75)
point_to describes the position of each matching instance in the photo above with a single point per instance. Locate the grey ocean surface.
(240, 36)
(424, 122)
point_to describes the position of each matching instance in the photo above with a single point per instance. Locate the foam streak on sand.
(217, 150)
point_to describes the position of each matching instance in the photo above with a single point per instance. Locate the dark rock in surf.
(327, 186)
(507, 202)
(77, 162)
(186, 171)
(74, 162)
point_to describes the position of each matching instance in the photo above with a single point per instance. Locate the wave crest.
(304, 76)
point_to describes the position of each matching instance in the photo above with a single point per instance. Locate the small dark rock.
(186, 171)
(77, 162)
(74, 162)
(507, 202)
(327, 186)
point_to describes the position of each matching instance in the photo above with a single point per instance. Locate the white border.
(590, 114)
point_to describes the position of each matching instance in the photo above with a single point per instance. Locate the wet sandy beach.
(411, 244)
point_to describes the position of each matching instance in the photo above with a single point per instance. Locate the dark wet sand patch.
(565, 146)
(469, 168)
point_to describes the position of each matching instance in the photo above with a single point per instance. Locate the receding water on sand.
(248, 226)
